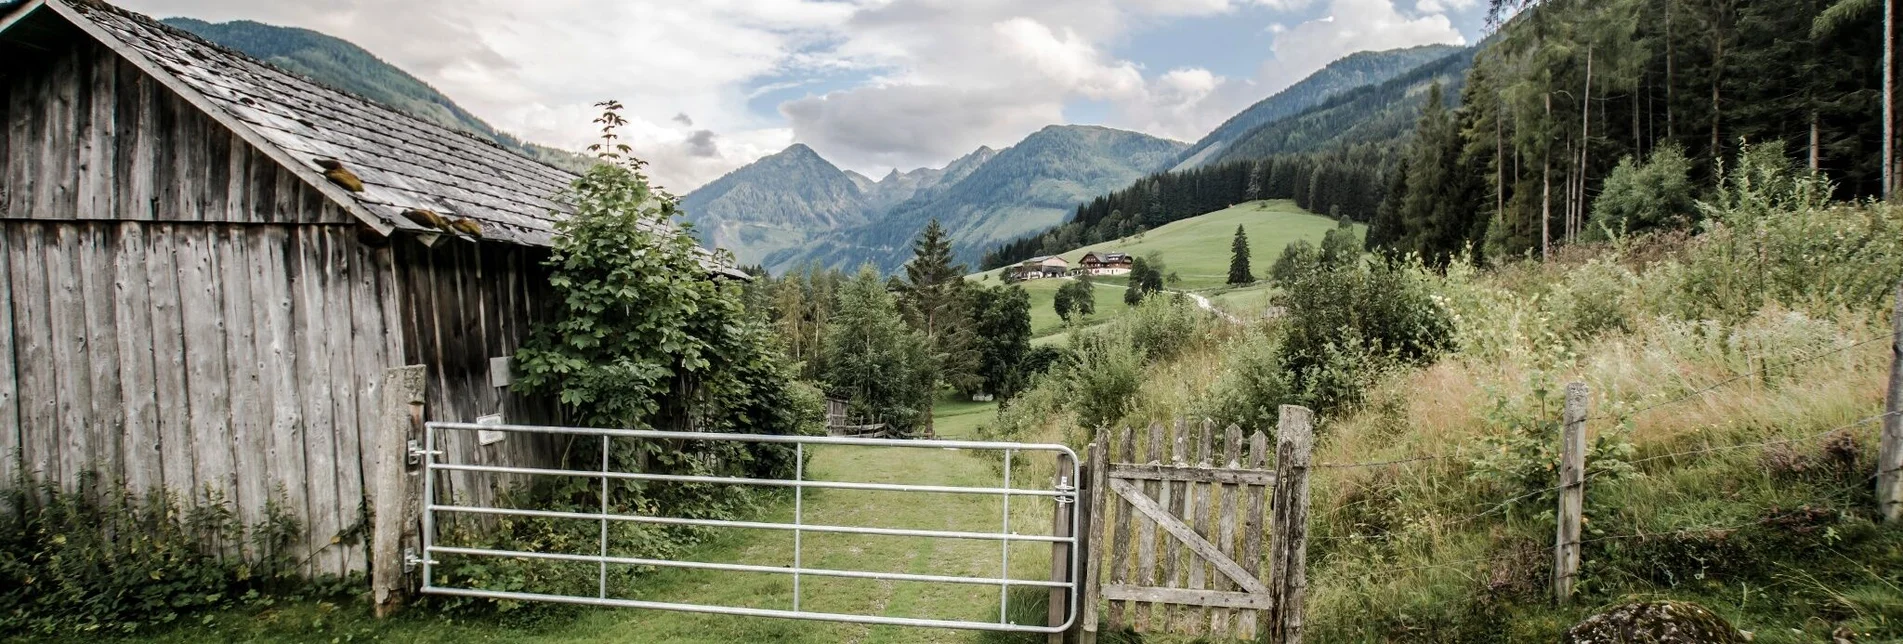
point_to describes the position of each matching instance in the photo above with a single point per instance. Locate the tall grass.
(1714, 393)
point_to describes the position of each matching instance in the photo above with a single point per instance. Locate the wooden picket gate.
(1176, 534)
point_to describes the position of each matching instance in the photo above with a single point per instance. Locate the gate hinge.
(411, 561)
(1066, 493)
(415, 452)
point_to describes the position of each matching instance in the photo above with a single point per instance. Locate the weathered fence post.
(1060, 552)
(1572, 493)
(1099, 461)
(1890, 452)
(397, 488)
(1288, 535)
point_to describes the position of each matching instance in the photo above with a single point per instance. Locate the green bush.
(1103, 376)
(1645, 196)
(1253, 385)
(1773, 236)
(1348, 323)
(1297, 259)
(100, 558)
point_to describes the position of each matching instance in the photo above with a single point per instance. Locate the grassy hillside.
(1736, 379)
(1197, 249)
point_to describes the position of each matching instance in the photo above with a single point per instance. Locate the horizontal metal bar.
(762, 438)
(720, 523)
(735, 480)
(752, 612)
(701, 565)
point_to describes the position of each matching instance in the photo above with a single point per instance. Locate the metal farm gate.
(1063, 536)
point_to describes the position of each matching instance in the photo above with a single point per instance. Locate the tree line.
(1345, 182)
(1580, 115)
(890, 345)
(1567, 103)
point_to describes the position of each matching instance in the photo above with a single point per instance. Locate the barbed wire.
(1783, 441)
(1401, 461)
(1508, 503)
(1739, 378)
(1636, 535)
(1683, 398)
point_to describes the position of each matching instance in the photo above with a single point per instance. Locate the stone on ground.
(1656, 622)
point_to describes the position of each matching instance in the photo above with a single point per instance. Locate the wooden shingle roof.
(404, 162)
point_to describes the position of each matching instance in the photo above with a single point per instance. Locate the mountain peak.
(798, 149)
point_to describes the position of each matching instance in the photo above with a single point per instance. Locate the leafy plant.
(100, 558)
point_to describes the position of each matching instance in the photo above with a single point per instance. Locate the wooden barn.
(191, 303)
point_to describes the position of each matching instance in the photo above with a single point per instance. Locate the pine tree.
(1239, 272)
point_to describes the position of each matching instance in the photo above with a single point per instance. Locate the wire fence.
(1674, 401)
(1507, 504)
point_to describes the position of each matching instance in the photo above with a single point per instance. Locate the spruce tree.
(1239, 272)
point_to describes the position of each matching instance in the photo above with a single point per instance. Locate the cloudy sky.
(871, 84)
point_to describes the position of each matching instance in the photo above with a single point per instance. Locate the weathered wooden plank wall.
(184, 314)
(463, 304)
(91, 137)
(183, 356)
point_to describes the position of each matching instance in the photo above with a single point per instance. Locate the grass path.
(323, 622)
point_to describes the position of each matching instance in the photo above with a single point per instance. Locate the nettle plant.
(1523, 455)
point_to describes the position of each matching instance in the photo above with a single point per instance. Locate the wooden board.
(138, 384)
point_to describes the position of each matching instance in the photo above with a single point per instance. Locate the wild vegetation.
(1736, 369)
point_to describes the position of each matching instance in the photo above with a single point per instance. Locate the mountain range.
(1359, 69)
(794, 208)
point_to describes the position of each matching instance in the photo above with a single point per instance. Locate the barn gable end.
(187, 307)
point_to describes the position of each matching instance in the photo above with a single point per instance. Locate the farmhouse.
(1040, 267)
(208, 264)
(1105, 263)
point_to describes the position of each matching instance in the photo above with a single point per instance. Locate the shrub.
(1645, 196)
(1346, 324)
(1772, 236)
(1103, 377)
(1591, 299)
(1297, 259)
(1253, 384)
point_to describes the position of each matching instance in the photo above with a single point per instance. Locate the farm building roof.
(404, 163)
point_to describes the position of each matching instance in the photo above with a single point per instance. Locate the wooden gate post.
(1890, 452)
(1572, 493)
(397, 490)
(1099, 513)
(1060, 552)
(1288, 535)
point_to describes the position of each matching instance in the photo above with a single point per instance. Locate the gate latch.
(416, 452)
(411, 561)
(1066, 493)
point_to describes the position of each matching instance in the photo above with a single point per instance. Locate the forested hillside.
(1026, 187)
(1333, 159)
(1379, 113)
(344, 66)
(1588, 117)
(1360, 69)
(1566, 104)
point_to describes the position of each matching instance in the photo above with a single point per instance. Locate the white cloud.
(1350, 26)
(930, 79)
